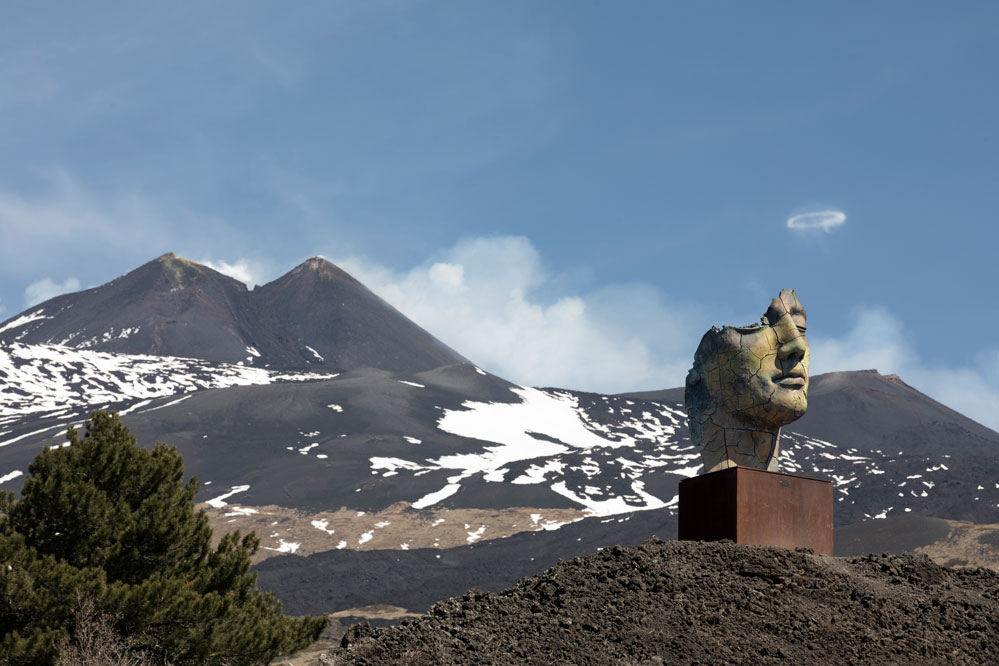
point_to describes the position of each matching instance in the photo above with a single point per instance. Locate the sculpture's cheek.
(746, 365)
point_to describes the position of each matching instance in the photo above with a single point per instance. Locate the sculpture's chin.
(792, 405)
(782, 408)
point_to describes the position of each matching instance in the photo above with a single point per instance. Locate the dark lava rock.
(706, 603)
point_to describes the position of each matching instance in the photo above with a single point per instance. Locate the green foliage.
(109, 522)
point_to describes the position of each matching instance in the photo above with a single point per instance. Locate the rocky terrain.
(705, 603)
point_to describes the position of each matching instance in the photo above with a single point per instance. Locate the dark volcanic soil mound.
(706, 603)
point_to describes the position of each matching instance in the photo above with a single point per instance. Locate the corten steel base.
(756, 507)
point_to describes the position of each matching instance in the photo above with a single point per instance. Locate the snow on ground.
(35, 379)
(321, 525)
(57, 427)
(138, 405)
(106, 336)
(570, 443)
(614, 505)
(435, 497)
(551, 428)
(166, 404)
(240, 511)
(218, 502)
(11, 476)
(597, 451)
(285, 546)
(24, 320)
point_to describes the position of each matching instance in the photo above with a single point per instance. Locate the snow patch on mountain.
(285, 546)
(11, 476)
(24, 320)
(550, 427)
(614, 456)
(35, 379)
(435, 497)
(219, 502)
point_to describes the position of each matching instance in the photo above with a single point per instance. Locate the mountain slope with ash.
(867, 410)
(456, 438)
(47, 380)
(314, 317)
(398, 444)
(335, 580)
(166, 307)
(344, 324)
(705, 603)
(953, 543)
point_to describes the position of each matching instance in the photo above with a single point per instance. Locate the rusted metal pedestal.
(753, 506)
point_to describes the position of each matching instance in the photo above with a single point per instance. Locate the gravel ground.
(705, 603)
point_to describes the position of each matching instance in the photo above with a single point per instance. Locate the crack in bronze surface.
(735, 401)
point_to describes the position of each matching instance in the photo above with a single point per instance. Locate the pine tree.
(105, 520)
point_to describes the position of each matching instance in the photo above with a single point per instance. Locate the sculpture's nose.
(792, 345)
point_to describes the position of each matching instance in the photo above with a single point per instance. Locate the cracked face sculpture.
(747, 382)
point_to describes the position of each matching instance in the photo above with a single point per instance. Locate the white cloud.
(244, 270)
(482, 298)
(879, 340)
(824, 220)
(46, 288)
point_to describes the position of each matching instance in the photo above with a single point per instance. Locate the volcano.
(315, 317)
(357, 445)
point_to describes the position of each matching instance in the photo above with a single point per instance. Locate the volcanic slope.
(705, 603)
(446, 459)
(454, 438)
(317, 317)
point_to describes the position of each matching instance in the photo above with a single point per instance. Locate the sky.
(569, 193)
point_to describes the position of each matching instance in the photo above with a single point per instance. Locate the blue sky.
(569, 193)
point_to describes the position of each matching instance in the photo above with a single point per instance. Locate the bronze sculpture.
(747, 382)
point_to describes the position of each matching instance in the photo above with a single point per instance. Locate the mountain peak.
(182, 273)
(315, 264)
(315, 315)
(170, 259)
(178, 265)
(321, 268)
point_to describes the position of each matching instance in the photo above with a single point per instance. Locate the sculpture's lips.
(791, 382)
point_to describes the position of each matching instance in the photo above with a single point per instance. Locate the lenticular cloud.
(826, 220)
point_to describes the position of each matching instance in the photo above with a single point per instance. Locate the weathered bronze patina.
(747, 382)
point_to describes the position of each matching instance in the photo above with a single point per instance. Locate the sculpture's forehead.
(786, 303)
(736, 338)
